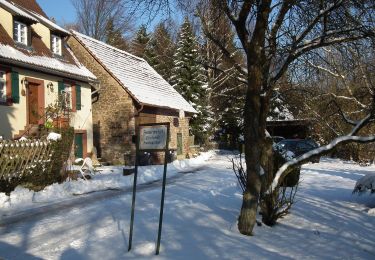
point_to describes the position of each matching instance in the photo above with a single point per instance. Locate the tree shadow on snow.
(8, 251)
(71, 254)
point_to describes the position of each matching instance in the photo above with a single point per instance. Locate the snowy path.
(78, 201)
(200, 222)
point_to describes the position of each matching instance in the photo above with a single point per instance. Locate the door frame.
(84, 141)
(41, 105)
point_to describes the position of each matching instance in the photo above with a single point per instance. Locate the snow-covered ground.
(106, 178)
(201, 210)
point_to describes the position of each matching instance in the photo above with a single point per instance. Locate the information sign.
(153, 137)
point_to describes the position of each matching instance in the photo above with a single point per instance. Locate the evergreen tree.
(140, 41)
(189, 79)
(114, 36)
(160, 51)
(227, 90)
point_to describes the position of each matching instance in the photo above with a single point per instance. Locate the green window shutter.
(78, 97)
(15, 87)
(61, 87)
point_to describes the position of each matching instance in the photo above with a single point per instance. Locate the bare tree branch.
(228, 55)
(287, 167)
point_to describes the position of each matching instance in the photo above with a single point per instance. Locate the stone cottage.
(37, 68)
(131, 93)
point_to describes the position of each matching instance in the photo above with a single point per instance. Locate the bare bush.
(239, 171)
(273, 204)
(277, 203)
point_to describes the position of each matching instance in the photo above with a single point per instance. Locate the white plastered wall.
(43, 32)
(14, 118)
(15, 115)
(6, 20)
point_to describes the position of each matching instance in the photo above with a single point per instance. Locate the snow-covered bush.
(365, 183)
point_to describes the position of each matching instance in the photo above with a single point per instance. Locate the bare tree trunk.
(267, 163)
(254, 140)
(247, 218)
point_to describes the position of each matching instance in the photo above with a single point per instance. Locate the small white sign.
(153, 137)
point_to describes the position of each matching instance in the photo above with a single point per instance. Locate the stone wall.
(113, 112)
(115, 115)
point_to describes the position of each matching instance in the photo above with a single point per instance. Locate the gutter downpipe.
(96, 89)
(139, 110)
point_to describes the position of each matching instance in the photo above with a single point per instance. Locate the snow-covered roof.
(8, 52)
(16, 10)
(135, 75)
(39, 56)
(49, 23)
(31, 15)
(282, 116)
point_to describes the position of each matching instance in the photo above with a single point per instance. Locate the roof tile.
(135, 75)
(39, 55)
(30, 5)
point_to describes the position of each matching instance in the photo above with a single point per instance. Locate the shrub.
(37, 175)
(276, 204)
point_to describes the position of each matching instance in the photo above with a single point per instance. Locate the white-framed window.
(56, 44)
(20, 32)
(68, 101)
(3, 86)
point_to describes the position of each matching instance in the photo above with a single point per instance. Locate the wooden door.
(78, 145)
(179, 144)
(33, 104)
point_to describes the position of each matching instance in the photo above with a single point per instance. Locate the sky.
(62, 10)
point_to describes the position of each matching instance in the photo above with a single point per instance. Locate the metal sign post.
(162, 194)
(151, 138)
(134, 193)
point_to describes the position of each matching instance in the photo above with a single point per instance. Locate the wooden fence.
(22, 158)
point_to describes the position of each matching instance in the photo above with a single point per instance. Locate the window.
(20, 32)
(56, 44)
(67, 96)
(3, 86)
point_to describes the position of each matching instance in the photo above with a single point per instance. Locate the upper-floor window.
(56, 44)
(3, 86)
(20, 32)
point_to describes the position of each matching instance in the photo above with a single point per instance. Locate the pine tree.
(189, 79)
(286, 104)
(140, 41)
(114, 36)
(160, 51)
(279, 109)
(227, 91)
